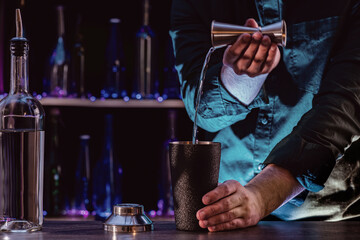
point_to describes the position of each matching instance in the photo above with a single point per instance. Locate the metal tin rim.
(128, 209)
(191, 143)
(128, 229)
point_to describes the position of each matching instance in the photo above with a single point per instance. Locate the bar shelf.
(111, 103)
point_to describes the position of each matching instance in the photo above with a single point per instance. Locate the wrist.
(243, 87)
(258, 200)
(273, 187)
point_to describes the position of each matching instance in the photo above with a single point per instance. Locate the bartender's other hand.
(229, 206)
(252, 54)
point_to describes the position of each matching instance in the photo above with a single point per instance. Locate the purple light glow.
(84, 213)
(160, 204)
(75, 212)
(152, 213)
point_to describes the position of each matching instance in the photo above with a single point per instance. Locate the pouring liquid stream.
(199, 92)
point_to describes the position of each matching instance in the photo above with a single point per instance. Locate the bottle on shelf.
(171, 78)
(165, 203)
(53, 192)
(82, 204)
(107, 175)
(56, 83)
(115, 86)
(146, 84)
(77, 85)
(21, 146)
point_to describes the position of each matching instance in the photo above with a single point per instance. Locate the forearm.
(273, 187)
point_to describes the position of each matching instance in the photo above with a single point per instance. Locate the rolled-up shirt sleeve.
(190, 32)
(323, 134)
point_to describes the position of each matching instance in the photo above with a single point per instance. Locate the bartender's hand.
(252, 54)
(247, 63)
(232, 206)
(229, 206)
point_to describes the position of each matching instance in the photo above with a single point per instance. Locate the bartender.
(287, 118)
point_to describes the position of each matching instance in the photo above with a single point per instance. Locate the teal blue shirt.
(312, 115)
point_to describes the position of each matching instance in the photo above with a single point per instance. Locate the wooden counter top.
(165, 230)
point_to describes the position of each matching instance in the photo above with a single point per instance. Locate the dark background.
(139, 134)
(40, 22)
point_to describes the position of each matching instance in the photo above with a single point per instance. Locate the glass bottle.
(53, 194)
(2, 49)
(165, 203)
(1, 55)
(58, 79)
(77, 86)
(115, 63)
(82, 179)
(171, 78)
(146, 83)
(21, 146)
(107, 176)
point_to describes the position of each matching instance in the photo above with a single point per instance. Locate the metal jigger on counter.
(223, 34)
(128, 218)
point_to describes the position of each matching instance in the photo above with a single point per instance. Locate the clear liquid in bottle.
(21, 159)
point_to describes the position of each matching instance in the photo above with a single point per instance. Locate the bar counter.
(166, 230)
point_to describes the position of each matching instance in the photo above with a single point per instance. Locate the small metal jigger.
(128, 218)
(223, 34)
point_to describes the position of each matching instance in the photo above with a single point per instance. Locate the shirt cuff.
(310, 163)
(216, 96)
(242, 87)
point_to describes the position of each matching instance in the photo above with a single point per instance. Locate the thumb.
(250, 22)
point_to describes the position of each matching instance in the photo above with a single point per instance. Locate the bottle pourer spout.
(19, 26)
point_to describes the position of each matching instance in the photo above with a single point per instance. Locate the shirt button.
(260, 167)
(264, 121)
